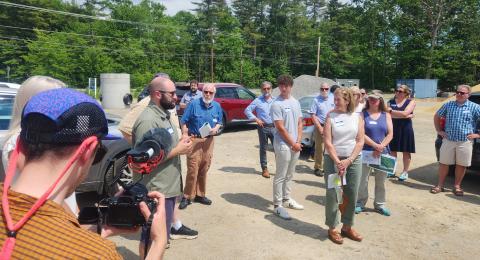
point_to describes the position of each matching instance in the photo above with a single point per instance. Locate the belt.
(268, 125)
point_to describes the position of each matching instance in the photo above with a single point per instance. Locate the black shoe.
(202, 200)
(318, 172)
(184, 203)
(183, 232)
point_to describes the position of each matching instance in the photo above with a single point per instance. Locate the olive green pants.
(350, 192)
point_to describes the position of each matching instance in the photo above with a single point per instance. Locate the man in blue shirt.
(191, 95)
(320, 107)
(461, 118)
(200, 114)
(265, 127)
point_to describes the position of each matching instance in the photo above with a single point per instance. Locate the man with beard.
(261, 105)
(191, 95)
(166, 177)
(199, 113)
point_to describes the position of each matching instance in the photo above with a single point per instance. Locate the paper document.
(334, 181)
(387, 164)
(205, 130)
(368, 158)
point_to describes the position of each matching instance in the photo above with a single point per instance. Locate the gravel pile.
(306, 85)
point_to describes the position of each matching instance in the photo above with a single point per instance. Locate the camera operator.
(166, 177)
(61, 132)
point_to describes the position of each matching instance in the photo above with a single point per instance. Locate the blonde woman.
(344, 139)
(401, 108)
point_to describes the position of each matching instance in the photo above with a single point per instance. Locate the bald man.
(166, 177)
(202, 112)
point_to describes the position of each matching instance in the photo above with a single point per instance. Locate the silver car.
(102, 173)
(308, 140)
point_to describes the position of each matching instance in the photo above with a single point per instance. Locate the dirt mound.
(306, 85)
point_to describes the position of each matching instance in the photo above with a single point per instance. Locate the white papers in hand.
(334, 181)
(368, 158)
(205, 130)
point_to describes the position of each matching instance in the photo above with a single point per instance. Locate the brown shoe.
(265, 173)
(335, 237)
(352, 234)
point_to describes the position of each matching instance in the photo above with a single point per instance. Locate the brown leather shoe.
(352, 234)
(265, 173)
(335, 237)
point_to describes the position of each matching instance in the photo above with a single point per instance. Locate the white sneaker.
(403, 176)
(282, 212)
(291, 203)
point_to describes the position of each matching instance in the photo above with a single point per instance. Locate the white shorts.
(452, 153)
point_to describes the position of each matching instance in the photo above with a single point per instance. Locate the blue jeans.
(264, 133)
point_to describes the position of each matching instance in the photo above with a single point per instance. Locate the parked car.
(233, 99)
(9, 85)
(474, 97)
(102, 173)
(308, 139)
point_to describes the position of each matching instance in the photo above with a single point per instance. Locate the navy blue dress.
(403, 137)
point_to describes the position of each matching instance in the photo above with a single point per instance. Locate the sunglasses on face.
(101, 152)
(208, 92)
(171, 93)
(399, 91)
(461, 93)
(324, 89)
(363, 94)
(265, 89)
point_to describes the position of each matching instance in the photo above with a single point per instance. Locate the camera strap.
(148, 225)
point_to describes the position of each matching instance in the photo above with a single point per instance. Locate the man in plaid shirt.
(461, 118)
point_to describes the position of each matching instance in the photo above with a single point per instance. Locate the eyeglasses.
(461, 93)
(265, 89)
(399, 91)
(363, 94)
(172, 93)
(324, 89)
(208, 92)
(101, 152)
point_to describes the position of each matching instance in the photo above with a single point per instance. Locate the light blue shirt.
(460, 120)
(261, 106)
(321, 106)
(288, 111)
(189, 97)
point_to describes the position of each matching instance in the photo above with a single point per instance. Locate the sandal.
(458, 191)
(437, 189)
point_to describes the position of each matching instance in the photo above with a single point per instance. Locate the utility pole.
(241, 65)
(211, 56)
(317, 72)
(8, 73)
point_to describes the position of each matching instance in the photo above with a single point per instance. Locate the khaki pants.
(198, 163)
(285, 161)
(318, 151)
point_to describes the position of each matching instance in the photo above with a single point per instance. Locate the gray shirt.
(290, 112)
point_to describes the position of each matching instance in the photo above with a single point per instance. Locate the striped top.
(52, 233)
(460, 119)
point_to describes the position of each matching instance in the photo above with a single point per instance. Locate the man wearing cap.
(200, 114)
(166, 177)
(191, 95)
(261, 105)
(319, 110)
(61, 132)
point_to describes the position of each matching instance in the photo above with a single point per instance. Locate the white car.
(308, 139)
(9, 85)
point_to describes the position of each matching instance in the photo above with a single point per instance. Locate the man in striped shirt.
(61, 133)
(461, 118)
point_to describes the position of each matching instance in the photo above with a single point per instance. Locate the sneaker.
(384, 211)
(202, 200)
(291, 203)
(282, 212)
(184, 203)
(318, 172)
(183, 232)
(403, 176)
(358, 209)
(390, 175)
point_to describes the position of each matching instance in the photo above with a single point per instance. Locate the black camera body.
(122, 211)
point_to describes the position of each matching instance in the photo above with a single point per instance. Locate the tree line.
(245, 41)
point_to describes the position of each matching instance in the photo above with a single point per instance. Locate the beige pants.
(198, 163)
(318, 151)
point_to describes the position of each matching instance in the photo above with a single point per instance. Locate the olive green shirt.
(167, 177)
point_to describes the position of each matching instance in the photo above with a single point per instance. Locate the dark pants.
(169, 208)
(264, 133)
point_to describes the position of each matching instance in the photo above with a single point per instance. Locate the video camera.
(123, 211)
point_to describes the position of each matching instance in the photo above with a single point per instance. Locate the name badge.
(215, 120)
(170, 130)
(339, 122)
(288, 109)
(465, 111)
(372, 122)
(393, 105)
